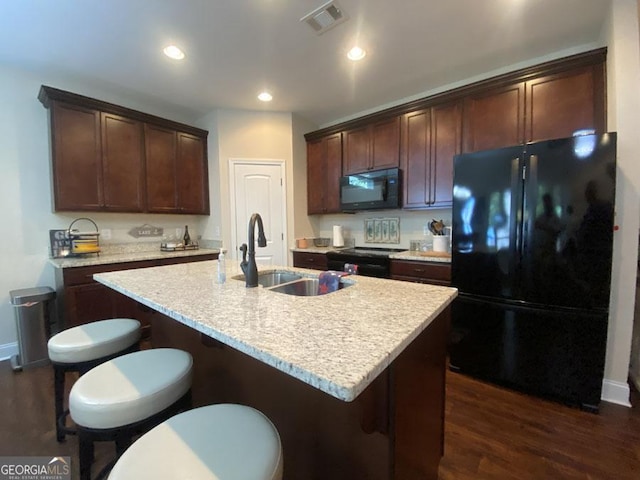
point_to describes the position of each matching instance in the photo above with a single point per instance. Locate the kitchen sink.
(305, 287)
(289, 283)
(277, 277)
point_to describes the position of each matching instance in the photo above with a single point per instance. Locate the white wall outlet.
(105, 233)
(216, 231)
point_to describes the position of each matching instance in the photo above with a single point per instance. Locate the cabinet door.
(416, 157)
(192, 174)
(385, 144)
(356, 152)
(446, 132)
(560, 104)
(494, 119)
(88, 303)
(122, 164)
(333, 156)
(315, 177)
(430, 139)
(324, 168)
(160, 156)
(77, 164)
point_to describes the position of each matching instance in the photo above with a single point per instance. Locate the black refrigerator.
(531, 258)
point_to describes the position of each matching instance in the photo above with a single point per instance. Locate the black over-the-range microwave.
(371, 190)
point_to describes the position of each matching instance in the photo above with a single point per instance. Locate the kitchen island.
(354, 380)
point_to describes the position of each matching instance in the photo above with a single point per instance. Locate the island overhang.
(338, 342)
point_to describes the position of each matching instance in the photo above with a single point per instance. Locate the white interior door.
(258, 187)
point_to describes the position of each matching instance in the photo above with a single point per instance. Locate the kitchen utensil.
(436, 227)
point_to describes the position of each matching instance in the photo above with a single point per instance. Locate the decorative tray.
(169, 247)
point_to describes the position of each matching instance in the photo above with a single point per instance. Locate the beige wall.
(303, 226)
(244, 135)
(623, 75)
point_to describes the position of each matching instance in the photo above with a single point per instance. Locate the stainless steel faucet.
(249, 267)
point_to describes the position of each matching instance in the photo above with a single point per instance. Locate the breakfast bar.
(353, 379)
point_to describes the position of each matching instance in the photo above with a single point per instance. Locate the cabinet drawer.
(418, 271)
(83, 275)
(317, 261)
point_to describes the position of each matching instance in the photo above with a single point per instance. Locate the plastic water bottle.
(222, 274)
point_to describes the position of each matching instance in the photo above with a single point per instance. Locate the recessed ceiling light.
(265, 97)
(173, 52)
(356, 53)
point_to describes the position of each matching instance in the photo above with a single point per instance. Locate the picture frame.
(382, 230)
(368, 230)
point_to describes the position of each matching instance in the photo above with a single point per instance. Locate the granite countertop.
(337, 342)
(127, 256)
(421, 256)
(406, 255)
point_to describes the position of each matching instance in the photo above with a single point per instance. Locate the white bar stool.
(79, 349)
(128, 396)
(216, 442)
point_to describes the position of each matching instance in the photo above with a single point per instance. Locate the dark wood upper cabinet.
(324, 168)
(550, 100)
(560, 104)
(372, 147)
(110, 158)
(160, 148)
(494, 118)
(122, 163)
(76, 158)
(549, 106)
(430, 139)
(416, 158)
(446, 127)
(192, 174)
(176, 172)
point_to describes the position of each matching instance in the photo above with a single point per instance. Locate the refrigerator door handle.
(530, 180)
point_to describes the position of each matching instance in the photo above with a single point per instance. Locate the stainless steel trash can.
(34, 310)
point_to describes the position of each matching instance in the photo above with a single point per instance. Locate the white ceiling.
(236, 48)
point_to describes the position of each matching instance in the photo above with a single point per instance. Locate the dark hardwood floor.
(491, 433)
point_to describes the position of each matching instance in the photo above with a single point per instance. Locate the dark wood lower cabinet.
(394, 430)
(82, 300)
(316, 261)
(421, 272)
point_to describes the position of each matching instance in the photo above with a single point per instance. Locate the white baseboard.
(8, 350)
(616, 392)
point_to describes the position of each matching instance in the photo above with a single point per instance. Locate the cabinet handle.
(310, 260)
(419, 270)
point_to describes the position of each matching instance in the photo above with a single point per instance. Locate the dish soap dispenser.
(222, 274)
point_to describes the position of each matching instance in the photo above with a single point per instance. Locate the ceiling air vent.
(327, 16)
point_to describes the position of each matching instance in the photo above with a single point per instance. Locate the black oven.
(370, 190)
(371, 262)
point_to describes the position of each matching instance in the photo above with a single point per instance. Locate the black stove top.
(365, 252)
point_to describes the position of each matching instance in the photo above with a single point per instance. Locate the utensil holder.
(441, 243)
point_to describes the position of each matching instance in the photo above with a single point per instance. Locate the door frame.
(232, 201)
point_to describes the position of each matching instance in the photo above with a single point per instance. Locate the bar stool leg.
(58, 387)
(86, 453)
